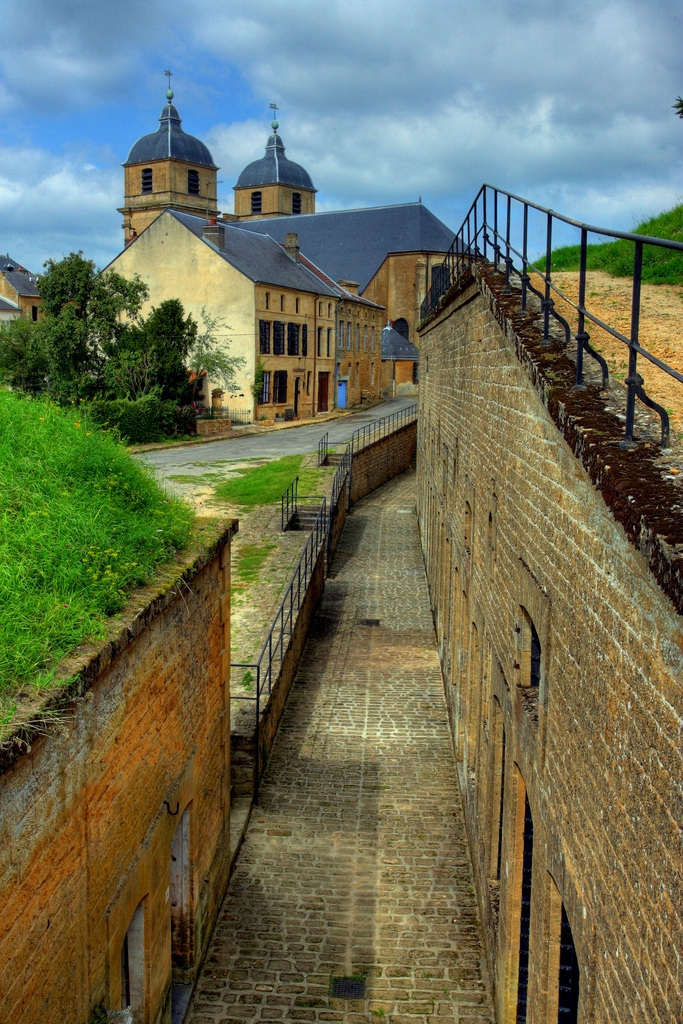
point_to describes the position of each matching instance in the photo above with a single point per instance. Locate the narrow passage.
(355, 863)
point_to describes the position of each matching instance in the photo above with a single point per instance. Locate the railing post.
(484, 225)
(496, 247)
(634, 380)
(508, 261)
(581, 336)
(256, 732)
(547, 303)
(525, 252)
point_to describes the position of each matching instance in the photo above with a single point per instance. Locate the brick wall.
(87, 844)
(377, 463)
(555, 596)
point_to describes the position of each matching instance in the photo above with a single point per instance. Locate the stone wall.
(115, 825)
(381, 461)
(554, 570)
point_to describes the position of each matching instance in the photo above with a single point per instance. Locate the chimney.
(350, 286)
(214, 232)
(291, 245)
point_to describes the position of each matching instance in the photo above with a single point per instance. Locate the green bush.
(141, 422)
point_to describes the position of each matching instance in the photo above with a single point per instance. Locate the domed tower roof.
(170, 141)
(274, 168)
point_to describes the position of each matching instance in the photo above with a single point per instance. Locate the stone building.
(273, 306)
(557, 604)
(400, 362)
(273, 186)
(18, 291)
(167, 169)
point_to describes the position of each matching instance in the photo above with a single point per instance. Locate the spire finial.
(274, 124)
(169, 91)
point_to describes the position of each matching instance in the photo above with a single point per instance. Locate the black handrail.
(289, 503)
(323, 444)
(380, 428)
(481, 232)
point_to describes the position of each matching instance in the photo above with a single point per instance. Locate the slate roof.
(259, 257)
(274, 168)
(22, 283)
(5, 306)
(395, 346)
(341, 292)
(352, 244)
(169, 140)
(7, 261)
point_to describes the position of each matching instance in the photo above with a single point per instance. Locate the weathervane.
(274, 108)
(169, 91)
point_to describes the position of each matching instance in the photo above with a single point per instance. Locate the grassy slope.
(660, 266)
(81, 525)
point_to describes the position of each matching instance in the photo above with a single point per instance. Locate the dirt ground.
(661, 330)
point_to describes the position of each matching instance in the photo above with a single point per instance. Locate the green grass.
(250, 558)
(660, 266)
(81, 525)
(264, 485)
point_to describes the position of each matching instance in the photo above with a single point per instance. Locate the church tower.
(167, 169)
(273, 186)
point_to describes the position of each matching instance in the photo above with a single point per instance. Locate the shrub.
(146, 420)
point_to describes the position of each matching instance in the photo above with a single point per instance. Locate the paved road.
(294, 441)
(355, 863)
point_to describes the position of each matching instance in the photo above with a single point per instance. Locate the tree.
(86, 314)
(678, 106)
(24, 360)
(209, 355)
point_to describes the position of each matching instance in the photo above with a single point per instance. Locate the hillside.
(81, 525)
(660, 266)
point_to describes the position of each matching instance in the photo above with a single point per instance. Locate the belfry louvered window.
(193, 183)
(255, 202)
(296, 202)
(147, 179)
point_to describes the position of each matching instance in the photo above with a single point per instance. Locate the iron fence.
(267, 665)
(225, 413)
(497, 223)
(323, 450)
(380, 428)
(289, 503)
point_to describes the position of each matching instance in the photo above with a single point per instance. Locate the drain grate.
(369, 622)
(348, 988)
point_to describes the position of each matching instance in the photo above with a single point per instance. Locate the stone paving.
(355, 863)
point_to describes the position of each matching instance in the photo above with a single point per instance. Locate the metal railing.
(289, 503)
(267, 665)
(497, 227)
(322, 450)
(225, 413)
(380, 428)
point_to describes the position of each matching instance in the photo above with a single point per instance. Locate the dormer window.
(147, 179)
(255, 202)
(193, 183)
(296, 202)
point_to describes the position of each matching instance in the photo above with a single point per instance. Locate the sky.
(566, 102)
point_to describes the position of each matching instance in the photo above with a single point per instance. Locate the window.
(292, 339)
(348, 334)
(279, 387)
(569, 982)
(357, 377)
(147, 179)
(329, 310)
(372, 339)
(357, 337)
(296, 305)
(320, 309)
(529, 651)
(527, 864)
(193, 183)
(401, 327)
(278, 338)
(372, 374)
(341, 334)
(308, 383)
(264, 336)
(319, 349)
(264, 397)
(365, 337)
(416, 373)
(296, 202)
(133, 963)
(282, 303)
(255, 202)
(34, 313)
(304, 339)
(267, 300)
(329, 338)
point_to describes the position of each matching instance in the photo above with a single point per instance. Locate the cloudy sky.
(565, 101)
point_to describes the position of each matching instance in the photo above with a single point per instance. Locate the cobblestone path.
(355, 862)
